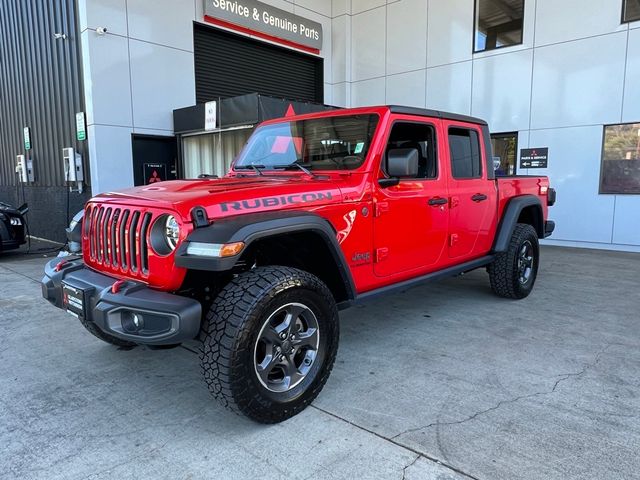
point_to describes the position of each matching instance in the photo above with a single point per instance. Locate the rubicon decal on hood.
(268, 202)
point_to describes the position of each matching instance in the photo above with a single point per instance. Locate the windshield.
(331, 143)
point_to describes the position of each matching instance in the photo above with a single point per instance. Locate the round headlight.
(165, 234)
(172, 232)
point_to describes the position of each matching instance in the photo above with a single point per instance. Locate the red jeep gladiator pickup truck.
(318, 212)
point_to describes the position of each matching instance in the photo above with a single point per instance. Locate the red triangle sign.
(290, 111)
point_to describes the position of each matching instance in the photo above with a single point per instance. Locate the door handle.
(479, 197)
(435, 201)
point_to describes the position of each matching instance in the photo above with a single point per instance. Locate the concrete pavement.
(444, 381)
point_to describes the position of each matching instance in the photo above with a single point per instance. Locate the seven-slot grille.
(117, 238)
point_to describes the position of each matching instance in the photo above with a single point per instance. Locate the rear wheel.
(269, 342)
(513, 273)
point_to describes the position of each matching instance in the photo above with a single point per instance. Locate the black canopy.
(248, 109)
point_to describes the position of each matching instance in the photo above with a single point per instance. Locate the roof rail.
(424, 112)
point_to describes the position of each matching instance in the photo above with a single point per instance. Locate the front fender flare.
(251, 227)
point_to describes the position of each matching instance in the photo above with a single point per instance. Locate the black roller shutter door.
(228, 65)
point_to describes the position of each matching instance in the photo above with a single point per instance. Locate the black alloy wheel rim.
(526, 262)
(287, 347)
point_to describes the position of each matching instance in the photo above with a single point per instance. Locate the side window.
(420, 136)
(464, 146)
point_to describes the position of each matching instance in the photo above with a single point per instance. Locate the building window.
(505, 148)
(498, 23)
(630, 10)
(620, 170)
(464, 146)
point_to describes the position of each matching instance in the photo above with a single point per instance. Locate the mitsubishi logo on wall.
(262, 20)
(154, 173)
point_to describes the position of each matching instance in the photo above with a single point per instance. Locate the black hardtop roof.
(425, 112)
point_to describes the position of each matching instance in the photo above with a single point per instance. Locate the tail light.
(551, 196)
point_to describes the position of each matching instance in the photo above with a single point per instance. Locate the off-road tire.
(503, 271)
(230, 331)
(105, 337)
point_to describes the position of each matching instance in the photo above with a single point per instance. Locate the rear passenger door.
(473, 197)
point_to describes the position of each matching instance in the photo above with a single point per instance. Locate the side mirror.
(23, 209)
(401, 163)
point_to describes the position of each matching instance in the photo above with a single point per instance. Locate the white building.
(560, 72)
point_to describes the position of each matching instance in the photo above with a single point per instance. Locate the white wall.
(142, 69)
(577, 70)
(134, 76)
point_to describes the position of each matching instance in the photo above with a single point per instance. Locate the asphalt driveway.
(444, 381)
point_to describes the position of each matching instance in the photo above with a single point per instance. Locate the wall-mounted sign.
(254, 17)
(81, 127)
(210, 113)
(154, 173)
(26, 133)
(534, 157)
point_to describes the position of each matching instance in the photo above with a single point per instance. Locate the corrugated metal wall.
(228, 65)
(40, 86)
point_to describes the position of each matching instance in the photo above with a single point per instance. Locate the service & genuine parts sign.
(259, 17)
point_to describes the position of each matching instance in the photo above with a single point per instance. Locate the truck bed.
(514, 185)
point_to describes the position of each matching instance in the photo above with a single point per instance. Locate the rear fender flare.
(510, 217)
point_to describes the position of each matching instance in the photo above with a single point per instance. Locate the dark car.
(12, 226)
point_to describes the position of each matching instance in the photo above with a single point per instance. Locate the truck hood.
(227, 196)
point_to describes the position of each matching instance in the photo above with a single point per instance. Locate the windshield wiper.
(251, 166)
(293, 165)
(289, 166)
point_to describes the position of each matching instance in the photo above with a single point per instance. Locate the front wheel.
(513, 273)
(269, 342)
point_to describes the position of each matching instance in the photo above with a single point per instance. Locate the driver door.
(411, 219)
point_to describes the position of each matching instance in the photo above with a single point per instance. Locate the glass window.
(498, 23)
(620, 171)
(464, 146)
(421, 137)
(212, 154)
(630, 10)
(505, 146)
(330, 143)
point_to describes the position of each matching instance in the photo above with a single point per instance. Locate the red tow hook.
(115, 288)
(60, 265)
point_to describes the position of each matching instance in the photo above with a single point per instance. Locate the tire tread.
(225, 326)
(502, 273)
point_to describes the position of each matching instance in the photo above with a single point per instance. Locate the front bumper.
(11, 236)
(162, 318)
(10, 244)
